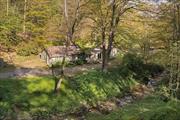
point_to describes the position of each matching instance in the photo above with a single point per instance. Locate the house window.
(99, 55)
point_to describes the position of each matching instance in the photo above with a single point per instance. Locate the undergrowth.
(150, 108)
(34, 96)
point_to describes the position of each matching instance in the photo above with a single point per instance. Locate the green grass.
(34, 95)
(150, 108)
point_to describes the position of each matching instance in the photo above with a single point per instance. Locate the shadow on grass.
(5, 66)
(34, 94)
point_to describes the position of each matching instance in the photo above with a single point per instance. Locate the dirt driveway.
(34, 66)
(23, 72)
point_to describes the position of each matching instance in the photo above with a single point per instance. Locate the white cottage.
(55, 54)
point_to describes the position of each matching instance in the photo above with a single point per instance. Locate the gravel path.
(23, 72)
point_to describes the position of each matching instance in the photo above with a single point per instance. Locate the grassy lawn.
(32, 61)
(150, 108)
(34, 96)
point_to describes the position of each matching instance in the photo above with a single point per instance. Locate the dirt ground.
(33, 66)
(20, 66)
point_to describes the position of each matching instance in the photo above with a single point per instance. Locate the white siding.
(114, 52)
(59, 59)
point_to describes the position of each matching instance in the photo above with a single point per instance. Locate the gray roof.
(58, 51)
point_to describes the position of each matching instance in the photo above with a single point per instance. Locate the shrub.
(135, 64)
(169, 112)
(41, 115)
(154, 69)
(163, 93)
(4, 110)
(81, 59)
(142, 71)
(79, 62)
(56, 64)
(150, 108)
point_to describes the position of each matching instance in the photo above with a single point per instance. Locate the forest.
(89, 59)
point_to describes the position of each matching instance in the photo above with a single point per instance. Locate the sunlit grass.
(40, 84)
(35, 94)
(32, 61)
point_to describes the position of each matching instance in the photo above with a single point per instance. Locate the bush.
(81, 59)
(3, 110)
(56, 64)
(142, 71)
(41, 115)
(154, 69)
(79, 62)
(168, 112)
(150, 108)
(135, 64)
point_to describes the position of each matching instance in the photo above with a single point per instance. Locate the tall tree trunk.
(175, 48)
(58, 81)
(110, 44)
(7, 7)
(104, 60)
(65, 9)
(112, 30)
(68, 41)
(115, 18)
(178, 46)
(24, 17)
(58, 84)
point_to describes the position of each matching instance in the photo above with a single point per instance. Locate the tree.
(168, 25)
(174, 82)
(100, 13)
(108, 15)
(7, 7)
(118, 8)
(9, 27)
(24, 17)
(72, 16)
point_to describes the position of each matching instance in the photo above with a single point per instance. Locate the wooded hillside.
(144, 67)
